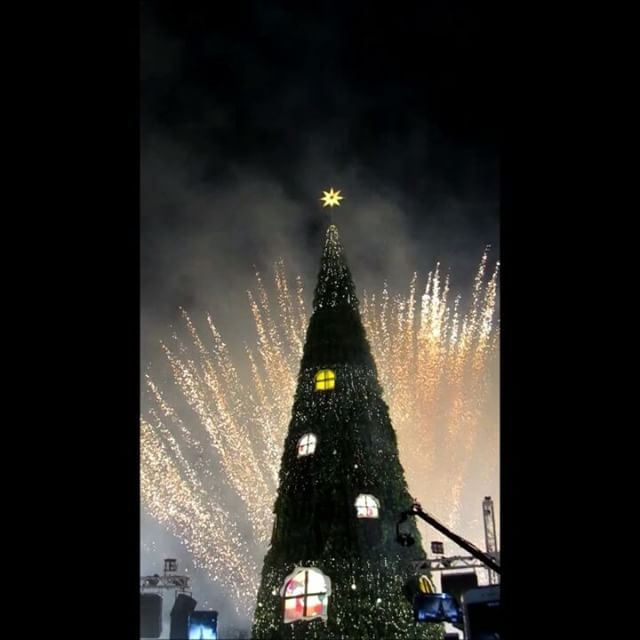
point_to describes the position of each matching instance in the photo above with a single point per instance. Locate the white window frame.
(367, 501)
(306, 594)
(310, 443)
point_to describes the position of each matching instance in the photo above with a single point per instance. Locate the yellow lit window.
(325, 380)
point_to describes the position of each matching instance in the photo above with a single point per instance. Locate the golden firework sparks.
(210, 453)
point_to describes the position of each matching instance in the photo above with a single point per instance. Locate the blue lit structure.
(436, 607)
(203, 625)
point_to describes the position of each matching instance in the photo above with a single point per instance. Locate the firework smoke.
(211, 443)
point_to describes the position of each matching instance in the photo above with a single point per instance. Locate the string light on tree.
(337, 505)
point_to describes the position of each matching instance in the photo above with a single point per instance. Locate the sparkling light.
(211, 442)
(435, 367)
(331, 198)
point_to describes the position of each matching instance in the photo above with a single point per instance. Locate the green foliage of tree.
(356, 453)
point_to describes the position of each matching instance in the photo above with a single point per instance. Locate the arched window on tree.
(306, 594)
(306, 445)
(325, 380)
(367, 506)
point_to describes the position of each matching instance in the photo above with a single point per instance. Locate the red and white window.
(306, 594)
(367, 506)
(306, 445)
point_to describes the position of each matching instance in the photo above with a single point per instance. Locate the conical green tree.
(340, 445)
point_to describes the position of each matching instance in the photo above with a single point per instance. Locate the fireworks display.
(212, 429)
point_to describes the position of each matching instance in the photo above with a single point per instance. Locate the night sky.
(248, 111)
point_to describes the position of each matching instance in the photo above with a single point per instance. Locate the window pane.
(316, 583)
(316, 605)
(367, 506)
(293, 609)
(324, 379)
(306, 444)
(295, 586)
(305, 595)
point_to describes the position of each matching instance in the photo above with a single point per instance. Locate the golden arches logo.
(425, 585)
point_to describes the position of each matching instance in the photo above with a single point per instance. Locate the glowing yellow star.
(331, 198)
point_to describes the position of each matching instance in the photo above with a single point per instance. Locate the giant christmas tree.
(334, 568)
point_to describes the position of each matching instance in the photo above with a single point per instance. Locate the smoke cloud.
(246, 118)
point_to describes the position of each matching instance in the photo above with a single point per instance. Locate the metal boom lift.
(487, 559)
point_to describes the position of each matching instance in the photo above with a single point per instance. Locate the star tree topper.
(331, 198)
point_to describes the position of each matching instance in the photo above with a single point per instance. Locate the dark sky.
(250, 110)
